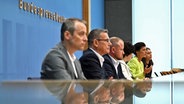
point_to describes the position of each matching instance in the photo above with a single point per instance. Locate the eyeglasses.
(106, 40)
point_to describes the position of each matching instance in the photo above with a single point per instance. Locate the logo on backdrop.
(30, 7)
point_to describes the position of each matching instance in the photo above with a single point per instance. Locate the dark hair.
(138, 46)
(128, 48)
(95, 34)
(69, 25)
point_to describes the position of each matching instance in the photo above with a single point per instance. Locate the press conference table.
(159, 90)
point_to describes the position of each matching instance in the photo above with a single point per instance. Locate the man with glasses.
(92, 60)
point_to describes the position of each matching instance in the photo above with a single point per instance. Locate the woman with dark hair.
(127, 56)
(135, 64)
(148, 63)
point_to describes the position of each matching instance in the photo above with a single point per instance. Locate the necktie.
(120, 73)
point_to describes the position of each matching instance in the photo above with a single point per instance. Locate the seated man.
(92, 60)
(111, 63)
(60, 62)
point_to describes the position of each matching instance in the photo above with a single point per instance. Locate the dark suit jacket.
(110, 69)
(57, 65)
(91, 65)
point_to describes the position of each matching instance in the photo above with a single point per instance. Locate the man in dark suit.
(92, 60)
(60, 62)
(111, 63)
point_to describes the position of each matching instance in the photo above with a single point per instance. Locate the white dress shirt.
(115, 63)
(125, 70)
(72, 58)
(101, 59)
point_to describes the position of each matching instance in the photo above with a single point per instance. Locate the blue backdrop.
(25, 38)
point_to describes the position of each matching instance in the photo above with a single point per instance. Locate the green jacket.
(136, 68)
